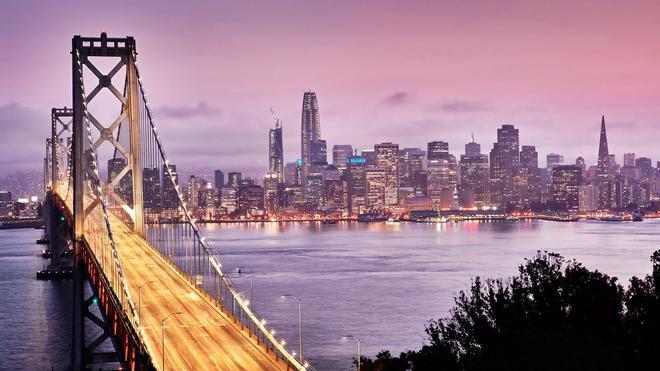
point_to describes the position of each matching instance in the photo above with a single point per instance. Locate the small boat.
(329, 221)
(393, 220)
(612, 218)
(637, 216)
(42, 240)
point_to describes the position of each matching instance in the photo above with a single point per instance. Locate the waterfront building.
(333, 194)
(474, 177)
(438, 175)
(387, 158)
(356, 183)
(588, 197)
(251, 200)
(566, 180)
(376, 179)
(527, 182)
(503, 157)
(229, 199)
(271, 196)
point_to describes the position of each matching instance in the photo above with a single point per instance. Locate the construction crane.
(276, 119)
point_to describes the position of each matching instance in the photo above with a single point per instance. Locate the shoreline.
(333, 221)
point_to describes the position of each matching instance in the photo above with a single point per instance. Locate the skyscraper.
(387, 158)
(566, 181)
(529, 157)
(553, 159)
(474, 177)
(503, 157)
(411, 162)
(151, 188)
(276, 153)
(356, 183)
(341, 153)
(310, 128)
(376, 179)
(234, 180)
(170, 197)
(318, 152)
(628, 159)
(219, 179)
(604, 185)
(507, 137)
(437, 150)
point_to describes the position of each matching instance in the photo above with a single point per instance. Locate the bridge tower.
(57, 174)
(86, 50)
(91, 193)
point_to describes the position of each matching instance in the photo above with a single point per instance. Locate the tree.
(555, 314)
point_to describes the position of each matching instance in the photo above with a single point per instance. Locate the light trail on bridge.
(202, 337)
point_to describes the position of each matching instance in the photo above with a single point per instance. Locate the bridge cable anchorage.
(94, 184)
(230, 296)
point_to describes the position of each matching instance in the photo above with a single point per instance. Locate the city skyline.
(443, 86)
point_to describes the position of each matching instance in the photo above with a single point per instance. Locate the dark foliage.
(554, 315)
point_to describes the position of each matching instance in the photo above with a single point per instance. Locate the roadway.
(203, 337)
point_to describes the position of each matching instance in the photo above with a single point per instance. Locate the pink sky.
(402, 71)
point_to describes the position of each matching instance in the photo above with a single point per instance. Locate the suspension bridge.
(162, 299)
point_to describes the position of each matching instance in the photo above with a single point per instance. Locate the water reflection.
(384, 281)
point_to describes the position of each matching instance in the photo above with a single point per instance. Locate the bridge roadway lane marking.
(220, 347)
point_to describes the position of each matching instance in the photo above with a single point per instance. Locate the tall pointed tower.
(603, 153)
(603, 183)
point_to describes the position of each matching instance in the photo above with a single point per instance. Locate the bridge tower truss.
(85, 53)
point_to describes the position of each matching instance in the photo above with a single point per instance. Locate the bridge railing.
(97, 228)
(170, 228)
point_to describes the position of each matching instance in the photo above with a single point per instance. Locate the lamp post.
(300, 343)
(140, 301)
(359, 356)
(240, 270)
(162, 334)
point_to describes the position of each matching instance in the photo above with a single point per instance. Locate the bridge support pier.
(88, 321)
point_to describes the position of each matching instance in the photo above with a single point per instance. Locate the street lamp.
(240, 270)
(140, 301)
(162, 334)
(359, 356)
(299, 324)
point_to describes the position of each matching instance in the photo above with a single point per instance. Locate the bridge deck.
(203, 337)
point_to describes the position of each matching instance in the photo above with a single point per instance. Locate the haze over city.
(406, 72)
